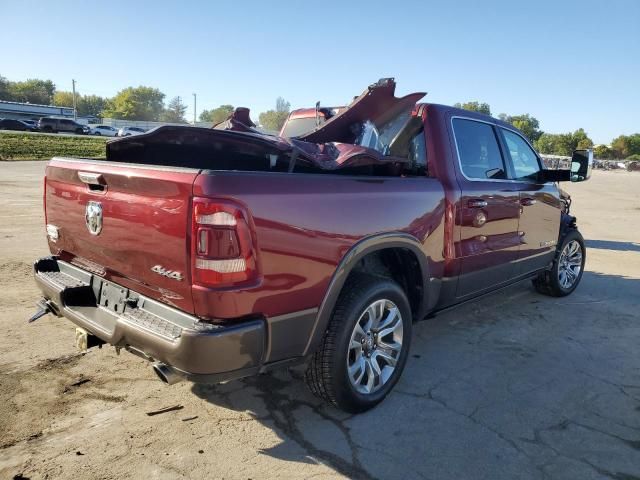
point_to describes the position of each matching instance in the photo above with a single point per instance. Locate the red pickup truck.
(219, 254)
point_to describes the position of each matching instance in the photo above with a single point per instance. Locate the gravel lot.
(516, 385)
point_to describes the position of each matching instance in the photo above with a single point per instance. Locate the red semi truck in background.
(219, 254)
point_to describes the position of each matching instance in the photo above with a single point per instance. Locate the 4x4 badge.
(93, 217)
(173, 274)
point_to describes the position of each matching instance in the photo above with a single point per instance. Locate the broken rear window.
(299, 126)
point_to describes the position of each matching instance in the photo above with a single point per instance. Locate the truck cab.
(509, 214)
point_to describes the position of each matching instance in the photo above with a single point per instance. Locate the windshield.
(381, 138)
(299, 126)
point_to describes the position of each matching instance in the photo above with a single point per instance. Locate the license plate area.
(113, 297)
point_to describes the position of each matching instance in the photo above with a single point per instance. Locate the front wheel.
(566, 273)
(365, 347)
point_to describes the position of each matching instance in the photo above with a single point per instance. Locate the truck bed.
(303, 224)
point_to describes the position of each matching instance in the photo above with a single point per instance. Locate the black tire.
(47, 129)
(326, 375)
(79, 131)
(548, 282)
(98, 134)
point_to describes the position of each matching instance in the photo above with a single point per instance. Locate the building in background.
(32, 111)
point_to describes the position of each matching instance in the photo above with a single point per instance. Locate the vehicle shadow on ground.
(281, 401)
(493, 384)
(613, 245)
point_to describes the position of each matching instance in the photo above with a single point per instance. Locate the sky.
(569, 63)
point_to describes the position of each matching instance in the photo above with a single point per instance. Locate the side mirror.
(580, 170)
(581, 163)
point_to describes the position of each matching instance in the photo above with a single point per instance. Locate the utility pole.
(194, 109)
(75, 114)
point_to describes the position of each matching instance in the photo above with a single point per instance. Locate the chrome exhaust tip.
(166, 374)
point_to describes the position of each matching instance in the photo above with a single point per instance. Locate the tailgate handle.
(95, 181)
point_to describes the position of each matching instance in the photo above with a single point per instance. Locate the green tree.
(62, 98)
(136, 103)
(174, 113)
(85, 104)
(604, 152)
(563, 143)
(216, 115)
(274, 119)
(627, 145)
(91, 105)
(4, 89)
(527, 124)
(634, 144)
(581, 140)
(32, 91)
(475, 107)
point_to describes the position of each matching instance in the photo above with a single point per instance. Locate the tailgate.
(143, 243)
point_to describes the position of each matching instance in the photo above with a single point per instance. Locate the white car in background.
(104, 130)
(128, 131)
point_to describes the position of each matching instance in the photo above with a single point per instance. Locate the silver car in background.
(104, 130)
(129, 131)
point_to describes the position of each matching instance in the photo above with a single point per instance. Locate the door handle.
(477, 203)
(527, 202)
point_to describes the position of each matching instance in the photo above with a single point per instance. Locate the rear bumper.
(197, 350)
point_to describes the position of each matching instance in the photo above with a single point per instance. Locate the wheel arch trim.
(568, 223)
(362, 248)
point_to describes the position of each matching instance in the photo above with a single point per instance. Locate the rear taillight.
(222, 249)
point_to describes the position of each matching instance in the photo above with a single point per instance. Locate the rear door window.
(478, 150)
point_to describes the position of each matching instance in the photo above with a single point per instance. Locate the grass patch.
(34, 146)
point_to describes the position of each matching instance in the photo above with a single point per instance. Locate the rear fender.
(347, 264)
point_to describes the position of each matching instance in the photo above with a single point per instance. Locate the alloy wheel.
(570, 264)
(375, 346)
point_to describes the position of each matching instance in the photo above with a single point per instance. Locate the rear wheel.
(566, 273)
(365, 348)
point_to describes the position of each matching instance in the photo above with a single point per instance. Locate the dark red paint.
(302, 225)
